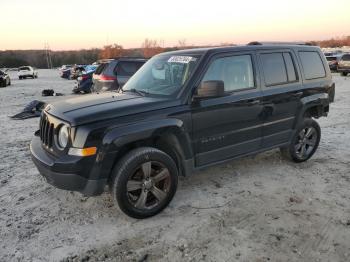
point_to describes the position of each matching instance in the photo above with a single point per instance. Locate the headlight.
(63, 136)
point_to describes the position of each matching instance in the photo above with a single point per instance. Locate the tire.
(304, 142)
(3, 83)
(157, 191)
(344, 73)
(9, 82)
(20, 78)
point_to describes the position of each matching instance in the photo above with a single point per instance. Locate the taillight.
(106, 78)
(84, 77)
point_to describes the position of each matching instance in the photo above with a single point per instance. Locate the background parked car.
(27, 71)
(4, 79)
(344, 65)
(65, 71)
(84, 82)
(113, 74)
(76, 71)
(333, 61)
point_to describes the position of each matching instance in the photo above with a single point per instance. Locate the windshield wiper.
(133, 90)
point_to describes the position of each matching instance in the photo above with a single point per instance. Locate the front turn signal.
(89, 151)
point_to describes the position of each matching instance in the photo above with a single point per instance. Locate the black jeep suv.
(182, 111)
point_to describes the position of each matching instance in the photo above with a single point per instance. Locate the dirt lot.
(260, 208)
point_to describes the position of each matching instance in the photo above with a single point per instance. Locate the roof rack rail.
(279, 43)
(128, 57)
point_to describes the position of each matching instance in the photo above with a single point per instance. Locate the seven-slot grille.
(46, 131)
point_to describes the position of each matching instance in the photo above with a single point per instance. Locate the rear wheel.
(304, 142)
(344, 73)
(144, 182)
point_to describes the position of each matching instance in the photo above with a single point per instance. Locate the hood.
(97, 107)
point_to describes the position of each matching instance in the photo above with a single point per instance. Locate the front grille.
(46, 131)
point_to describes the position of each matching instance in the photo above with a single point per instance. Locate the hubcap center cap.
(148, 184)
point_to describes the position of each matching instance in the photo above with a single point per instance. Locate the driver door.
(231, 125)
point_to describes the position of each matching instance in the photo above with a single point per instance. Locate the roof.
(200, 51)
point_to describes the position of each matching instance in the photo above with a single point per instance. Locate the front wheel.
(344, 73)
(304, 142)
(144, 181)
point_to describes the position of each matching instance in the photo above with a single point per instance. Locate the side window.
(312, 64)
(274, 69)
(345, 58)
(290, 67)
(126, 68)
(235, 71)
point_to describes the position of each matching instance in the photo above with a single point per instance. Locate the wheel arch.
(167, 135)
(315, 106)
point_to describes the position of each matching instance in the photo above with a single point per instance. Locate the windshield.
(163, 75)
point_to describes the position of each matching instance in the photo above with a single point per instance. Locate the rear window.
(100, 68)
(23, 68)
(346, 58)
(312, 64)
(127, 68)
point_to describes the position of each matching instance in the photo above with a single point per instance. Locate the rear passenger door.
(281, 94)
(125, 69)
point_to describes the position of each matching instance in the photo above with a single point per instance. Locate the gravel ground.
(260, 208)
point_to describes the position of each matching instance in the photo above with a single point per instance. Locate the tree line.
(149, 48)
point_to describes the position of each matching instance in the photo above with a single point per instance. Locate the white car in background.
(27, 71)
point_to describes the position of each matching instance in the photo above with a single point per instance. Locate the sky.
(78, 24)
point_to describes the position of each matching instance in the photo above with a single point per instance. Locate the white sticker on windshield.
(181, 59)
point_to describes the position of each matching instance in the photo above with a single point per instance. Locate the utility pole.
(48, 56)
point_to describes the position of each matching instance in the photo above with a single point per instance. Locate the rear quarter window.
(100, 68)
(312, 65)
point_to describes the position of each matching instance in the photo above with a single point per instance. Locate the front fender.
(116, 138)
(120, 136)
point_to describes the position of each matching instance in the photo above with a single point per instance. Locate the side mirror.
(212, 88)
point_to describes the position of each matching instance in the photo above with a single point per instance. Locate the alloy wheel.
(306, 142)
(149, 185)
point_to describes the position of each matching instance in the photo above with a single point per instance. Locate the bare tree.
(182, 43)
(111, 51)
(151, 47)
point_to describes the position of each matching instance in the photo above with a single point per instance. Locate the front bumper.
(64, 174)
